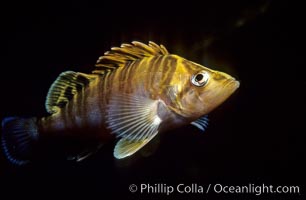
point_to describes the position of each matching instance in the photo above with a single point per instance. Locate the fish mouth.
(232, 85)
(232, 82)
(235, 83)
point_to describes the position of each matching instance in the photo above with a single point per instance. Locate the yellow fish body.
(136, 92)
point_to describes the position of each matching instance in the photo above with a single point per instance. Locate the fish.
(134, 93)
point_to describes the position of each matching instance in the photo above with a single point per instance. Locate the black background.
(257, 136)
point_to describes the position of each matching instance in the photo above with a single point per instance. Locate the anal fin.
(85, 153)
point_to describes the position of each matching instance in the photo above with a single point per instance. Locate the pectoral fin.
(126, 147)
(134, 118)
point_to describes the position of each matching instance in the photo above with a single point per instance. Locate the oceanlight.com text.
(195, 188)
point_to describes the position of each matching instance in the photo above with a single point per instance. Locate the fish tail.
(19, 136)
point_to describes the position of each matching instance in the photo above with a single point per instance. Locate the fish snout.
(237, 83)
(223, 76)
(226, 80)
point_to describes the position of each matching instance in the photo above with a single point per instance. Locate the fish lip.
(233, 84)
(237, 83)
(233, 81)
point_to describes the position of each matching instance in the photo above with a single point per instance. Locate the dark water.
(256, 137)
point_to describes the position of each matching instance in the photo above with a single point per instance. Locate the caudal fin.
(19, 136)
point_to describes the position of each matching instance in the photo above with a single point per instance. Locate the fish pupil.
(199, 77)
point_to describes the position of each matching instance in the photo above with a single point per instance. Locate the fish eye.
(200, 79)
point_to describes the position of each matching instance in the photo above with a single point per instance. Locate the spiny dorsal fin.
(119, 56)
(64, 88)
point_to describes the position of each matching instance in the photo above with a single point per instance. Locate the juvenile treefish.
(135, 92)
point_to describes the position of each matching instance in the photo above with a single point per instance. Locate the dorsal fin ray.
(120, 56)
(64, 88)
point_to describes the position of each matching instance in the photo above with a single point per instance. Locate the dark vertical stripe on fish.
(170, 69)
(136, 71)
(155, 74)
(106, 88)
(126, 76)
(101, 96)
(148, 64)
